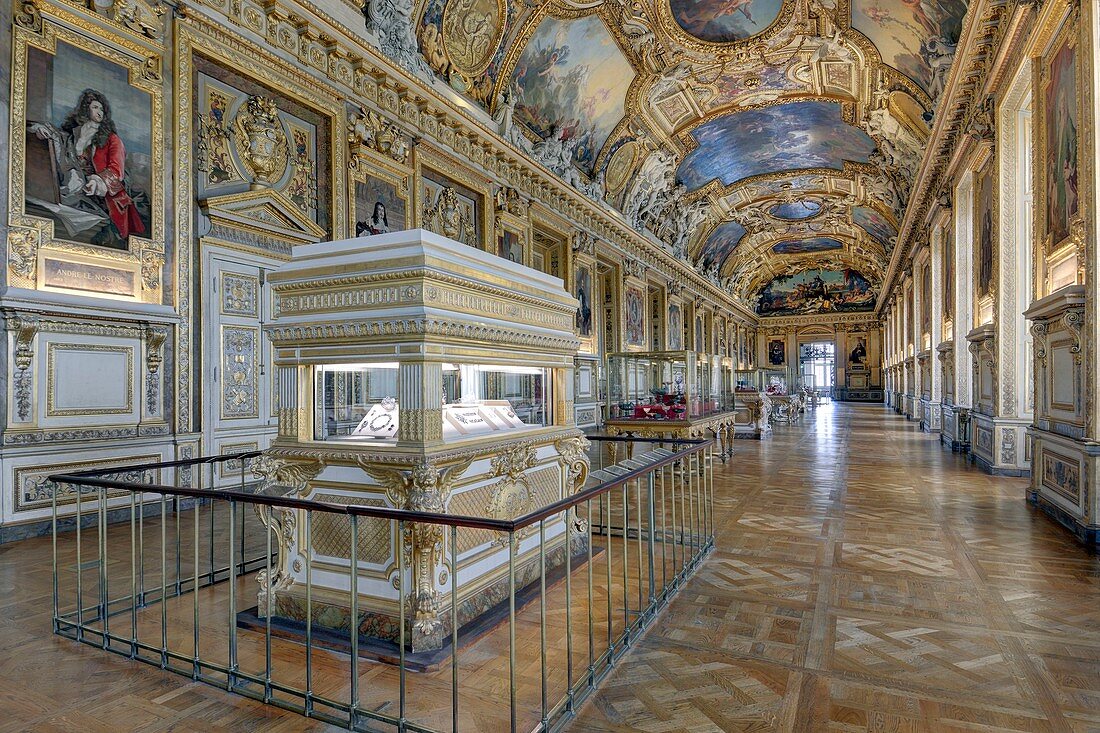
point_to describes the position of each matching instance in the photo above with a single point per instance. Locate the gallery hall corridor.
(866, 579)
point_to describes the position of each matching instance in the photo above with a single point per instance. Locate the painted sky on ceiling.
(906, 31)
(816, 291)
(721, 243)
(786, 137)
(796, 210)
(804, 246)
(876, 225)
(571, 73)
(722, 21)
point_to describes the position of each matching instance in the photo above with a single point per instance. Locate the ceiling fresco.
(720, 244)
(722, 21)
(876, 225)
(573, 76)
(786, 137)
(795, 210)
(805, 246)
(916, 38)
(757, 139)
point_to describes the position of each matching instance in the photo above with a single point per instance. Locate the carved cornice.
(960, 111)
(345, 60)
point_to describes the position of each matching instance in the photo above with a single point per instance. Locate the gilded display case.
(677, 394)
(419, 373)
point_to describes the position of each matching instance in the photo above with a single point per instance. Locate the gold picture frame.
(1060, 59)
(373, 179)
(108, 208)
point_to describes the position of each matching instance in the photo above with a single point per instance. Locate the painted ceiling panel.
(805, 246)
(720, 244)
(771, 99)
(795, 210)
(816, 291)
(786, 137)
(916, 37)
(876, 225)
(722, 21)
(572, 74)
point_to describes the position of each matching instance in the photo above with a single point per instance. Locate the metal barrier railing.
(165, 586)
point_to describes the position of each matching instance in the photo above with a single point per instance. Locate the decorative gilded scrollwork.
(422, 488)
(27, 16)
(261, 141)
(368, 130)
(154, 343)
(1074, 321)
(447, 217)
(294, 475)
(23, 252)
(25, 330)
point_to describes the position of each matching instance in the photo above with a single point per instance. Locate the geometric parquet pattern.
(864, 579)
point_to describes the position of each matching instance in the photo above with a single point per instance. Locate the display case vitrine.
(410, 359)
(668, 394)
(754, 405)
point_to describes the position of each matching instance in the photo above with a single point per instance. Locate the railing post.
(651, 540)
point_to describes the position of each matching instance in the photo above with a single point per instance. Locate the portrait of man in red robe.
(93, 201)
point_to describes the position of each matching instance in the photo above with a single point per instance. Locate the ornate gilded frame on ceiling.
(428, 157)
(668, 23)
(195, 35)
(558, 11)
(1062, 28)
(31, 238)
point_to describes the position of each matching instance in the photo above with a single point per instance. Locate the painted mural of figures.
(92, 197)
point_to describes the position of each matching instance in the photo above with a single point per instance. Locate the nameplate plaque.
(92, 278)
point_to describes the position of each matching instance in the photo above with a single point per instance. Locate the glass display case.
(358, 402)
(664, 386)
(408, 359)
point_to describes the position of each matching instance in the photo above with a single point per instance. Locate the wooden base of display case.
(719, 426)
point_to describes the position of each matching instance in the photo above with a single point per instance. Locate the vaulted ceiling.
(765, 141)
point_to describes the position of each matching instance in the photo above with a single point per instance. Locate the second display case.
(674, 394)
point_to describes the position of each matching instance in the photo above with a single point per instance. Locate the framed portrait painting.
(89, 125)
(510, 244)
(381, 202)
(634, 301)
(777, 352)
(583, 293)
(984, 232)
(675, 327)
(857, 354)
(1061, 124)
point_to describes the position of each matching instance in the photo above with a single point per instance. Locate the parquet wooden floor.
(864, 580)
